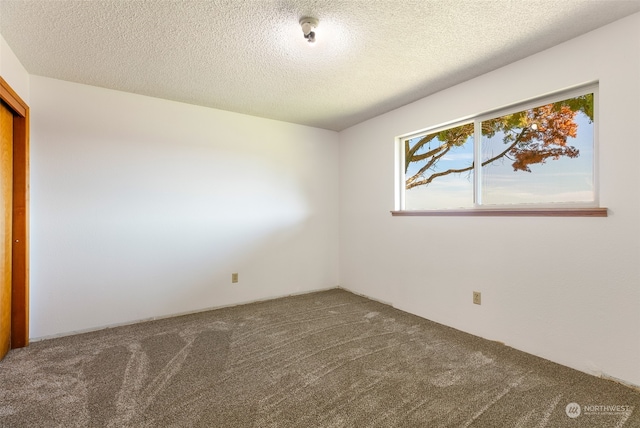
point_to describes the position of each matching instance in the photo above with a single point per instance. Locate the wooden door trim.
(20, 247)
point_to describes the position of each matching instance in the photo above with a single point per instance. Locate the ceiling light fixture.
(308, 25)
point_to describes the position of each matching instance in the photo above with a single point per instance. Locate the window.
(439, 168)
(534, 155)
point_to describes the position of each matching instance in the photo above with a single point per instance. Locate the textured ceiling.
(250, 56)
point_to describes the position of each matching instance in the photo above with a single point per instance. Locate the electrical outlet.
(234, 278)
(477, 298)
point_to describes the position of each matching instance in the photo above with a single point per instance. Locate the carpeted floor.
(328, 359)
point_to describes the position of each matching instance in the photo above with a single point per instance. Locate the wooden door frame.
(20, 245)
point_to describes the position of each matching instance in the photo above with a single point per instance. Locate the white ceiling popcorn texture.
(251, 56)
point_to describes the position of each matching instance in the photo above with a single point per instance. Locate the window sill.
(514, 212)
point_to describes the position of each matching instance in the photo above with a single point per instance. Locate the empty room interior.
(250, 161)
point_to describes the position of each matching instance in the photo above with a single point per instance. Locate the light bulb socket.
(308, 25)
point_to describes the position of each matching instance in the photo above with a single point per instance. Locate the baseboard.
(620, 381)
(172, 315)
(591, 373)
(89, 330)
(369, 297)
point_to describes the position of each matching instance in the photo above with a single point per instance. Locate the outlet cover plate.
(477, 298)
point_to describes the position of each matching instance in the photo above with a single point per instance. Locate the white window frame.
(556, 209)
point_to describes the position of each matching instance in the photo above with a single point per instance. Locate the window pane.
(540, 155)
(439, 169)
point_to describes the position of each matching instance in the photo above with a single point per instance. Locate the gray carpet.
(328, 359)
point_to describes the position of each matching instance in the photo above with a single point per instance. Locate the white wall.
(142, 207)
(13, 72)
(566, 289)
